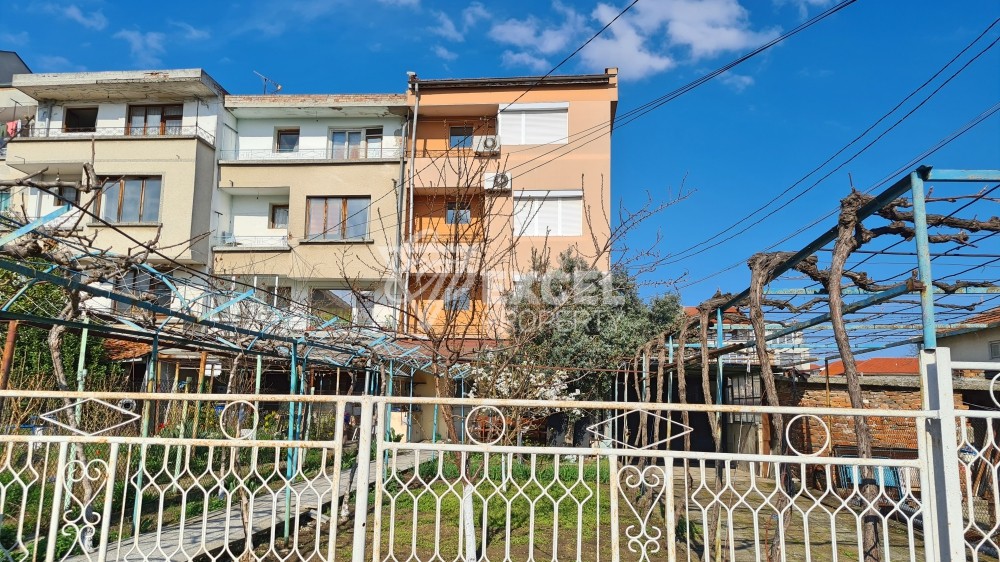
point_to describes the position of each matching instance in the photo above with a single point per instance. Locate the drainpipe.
(413, 158)
(400, 201)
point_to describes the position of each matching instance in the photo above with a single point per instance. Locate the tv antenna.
(275, 87)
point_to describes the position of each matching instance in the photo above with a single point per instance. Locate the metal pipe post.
(923, 260)
(8, 356)
(289, 466)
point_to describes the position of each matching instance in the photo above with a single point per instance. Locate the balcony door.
(154, 120)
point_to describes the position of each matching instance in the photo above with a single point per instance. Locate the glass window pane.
(332, 303)
(288, 141)
(354, 140)
(151, 200)
(357, 217)
(316, 211)
(130, 201)
(279, 217)
(153, 120)
(138, 120)
(4, 200)
(460, 137)
(338, 140)
(458, 213)
(373, 142)
(173, 110)
(109, 201)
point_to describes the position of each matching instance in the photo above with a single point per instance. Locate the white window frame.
(561, 198)
(518, 113)
(994, 350)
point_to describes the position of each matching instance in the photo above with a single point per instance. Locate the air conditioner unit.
(486, 144)
(498, 182)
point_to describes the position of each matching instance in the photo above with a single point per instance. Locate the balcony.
(312, 154)
(39, 132)
(238, 242)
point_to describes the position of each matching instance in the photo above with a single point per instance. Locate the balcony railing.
(371, 153)
(39, 132)
(240, 242)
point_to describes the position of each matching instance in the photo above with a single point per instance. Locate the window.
(534, 124)
(135, 200)
(344, 304)
(154, 120)
(995, 350)
(337, 218)
(356, 143)
(66, 195)
(4, 200)
(460, 137)
(144, 286)
(553, 214)
(279, 216)
(80, 120)
(280, 297)
(287, 140)
(457, 299)
(458, 213)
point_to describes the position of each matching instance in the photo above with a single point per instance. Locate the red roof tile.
(881, 366)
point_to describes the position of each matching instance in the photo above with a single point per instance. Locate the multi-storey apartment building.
(308, 200)
(501, 170)
(151, 136)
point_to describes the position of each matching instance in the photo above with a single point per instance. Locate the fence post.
(943, 504)
(670, 515)
(109, 496)
(364, 477)
(613, 499)
(57, 507)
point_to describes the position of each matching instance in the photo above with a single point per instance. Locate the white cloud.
(93, 20)
(536, 64)
(48, 63)
(446, 28)
(19, 38)
(473, 13)
(804, 5)
(406, 3)
(145, 48)
(272, 19)
(738, 82)
(444, 54)
(191, 33)
(650, 38)
(532, 34)
(624, 46)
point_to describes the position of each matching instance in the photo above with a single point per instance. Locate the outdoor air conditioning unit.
(498, 181)
(486, 144)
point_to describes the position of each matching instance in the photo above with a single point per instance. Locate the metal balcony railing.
(238, 241)
(371, 153)
(39, 132)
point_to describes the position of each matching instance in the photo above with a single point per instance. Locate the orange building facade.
(501, 172)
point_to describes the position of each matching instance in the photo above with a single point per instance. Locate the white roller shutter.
(548, 216)
(546, 127)
(531, 124)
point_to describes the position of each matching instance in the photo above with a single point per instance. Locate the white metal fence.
(240, 490)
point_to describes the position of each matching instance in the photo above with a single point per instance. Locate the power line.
(679, 256)
(954, 135)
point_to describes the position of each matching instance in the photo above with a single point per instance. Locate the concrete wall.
(251, 215)
(186, 166)
(973, 346)
(370, 259)
(258, 135)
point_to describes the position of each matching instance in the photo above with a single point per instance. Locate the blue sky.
(734, 143)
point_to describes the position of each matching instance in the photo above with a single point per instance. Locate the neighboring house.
(153, 135)
(14, 106)
(308, 198)
(978, 343)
